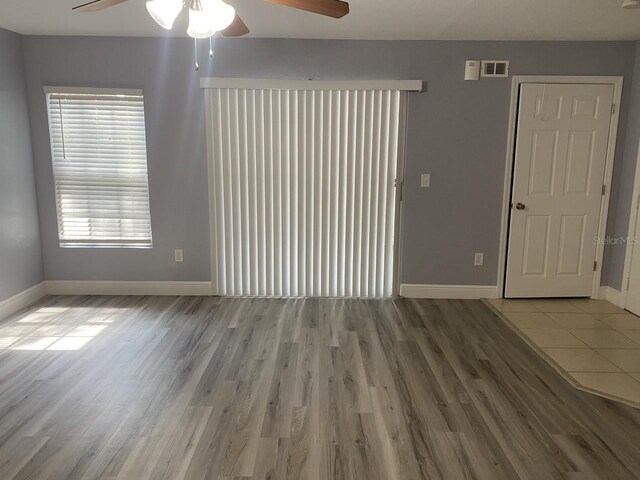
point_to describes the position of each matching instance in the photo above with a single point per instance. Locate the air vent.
(495, 68)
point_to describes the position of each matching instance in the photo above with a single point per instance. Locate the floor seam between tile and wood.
(580, 354)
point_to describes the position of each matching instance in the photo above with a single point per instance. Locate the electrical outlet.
(425, 180)
(178, 255)
(478, 261)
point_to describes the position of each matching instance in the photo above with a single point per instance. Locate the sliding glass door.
(303, 190)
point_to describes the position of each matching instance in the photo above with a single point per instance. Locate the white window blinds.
(99, 159)
(303, 190)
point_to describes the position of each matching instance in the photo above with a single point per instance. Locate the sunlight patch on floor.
(47, 329)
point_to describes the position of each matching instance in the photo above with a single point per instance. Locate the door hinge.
(628, 282)
(604, 189)
(613, 109)
(595, 265)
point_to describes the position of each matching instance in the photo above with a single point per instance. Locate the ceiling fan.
(206, 17)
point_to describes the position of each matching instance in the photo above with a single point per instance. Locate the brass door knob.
(520, 206)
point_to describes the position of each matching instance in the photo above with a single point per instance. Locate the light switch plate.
(178, 255)
(425, 180)
(478, 260)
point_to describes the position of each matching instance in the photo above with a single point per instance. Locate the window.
(99, 156)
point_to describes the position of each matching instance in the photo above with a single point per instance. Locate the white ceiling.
(369, 19)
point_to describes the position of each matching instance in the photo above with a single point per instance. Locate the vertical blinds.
(303, 190)
(99, 159)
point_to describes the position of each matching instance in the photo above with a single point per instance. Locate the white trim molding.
(608, 174)
(271, 84)
(21, 300)
(449, 291)
(79, 287)
(92, 90)
(612, 295)
(632, 231)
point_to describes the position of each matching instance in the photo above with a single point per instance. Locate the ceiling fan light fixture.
(164, 12)
(200, 25)
(629, 4)
(220, 14)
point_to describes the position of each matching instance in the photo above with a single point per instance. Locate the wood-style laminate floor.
(210, 388)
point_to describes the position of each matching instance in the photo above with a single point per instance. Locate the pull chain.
(195, 51)
(210, 48)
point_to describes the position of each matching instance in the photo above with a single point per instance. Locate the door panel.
(571, 244)
(579, 162)
(536, 245)
(561, 147)
(543, 160)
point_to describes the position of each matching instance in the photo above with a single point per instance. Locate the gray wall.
(622, 188)
(176, 153)
(20, 252)
(456, 132)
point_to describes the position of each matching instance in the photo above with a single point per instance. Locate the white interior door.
(561, 148)
(633, 292)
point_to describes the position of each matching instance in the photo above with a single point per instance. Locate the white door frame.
(608, 172)
(633, 226)
(399, 190)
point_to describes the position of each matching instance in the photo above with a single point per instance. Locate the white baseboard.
(449, 291)
(611, 295)
(21, 300)
(71, 287)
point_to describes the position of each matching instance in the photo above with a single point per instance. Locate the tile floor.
(593, 342)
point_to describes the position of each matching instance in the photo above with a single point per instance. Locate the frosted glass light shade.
(631, 4)
(220, 14)
(200, 25)
(164, 12)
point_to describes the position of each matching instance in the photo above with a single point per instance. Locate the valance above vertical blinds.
(303, 190)
(99, 156)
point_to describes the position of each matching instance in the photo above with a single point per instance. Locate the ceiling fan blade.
(236, 29)
(96, 5)
(330, 8)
